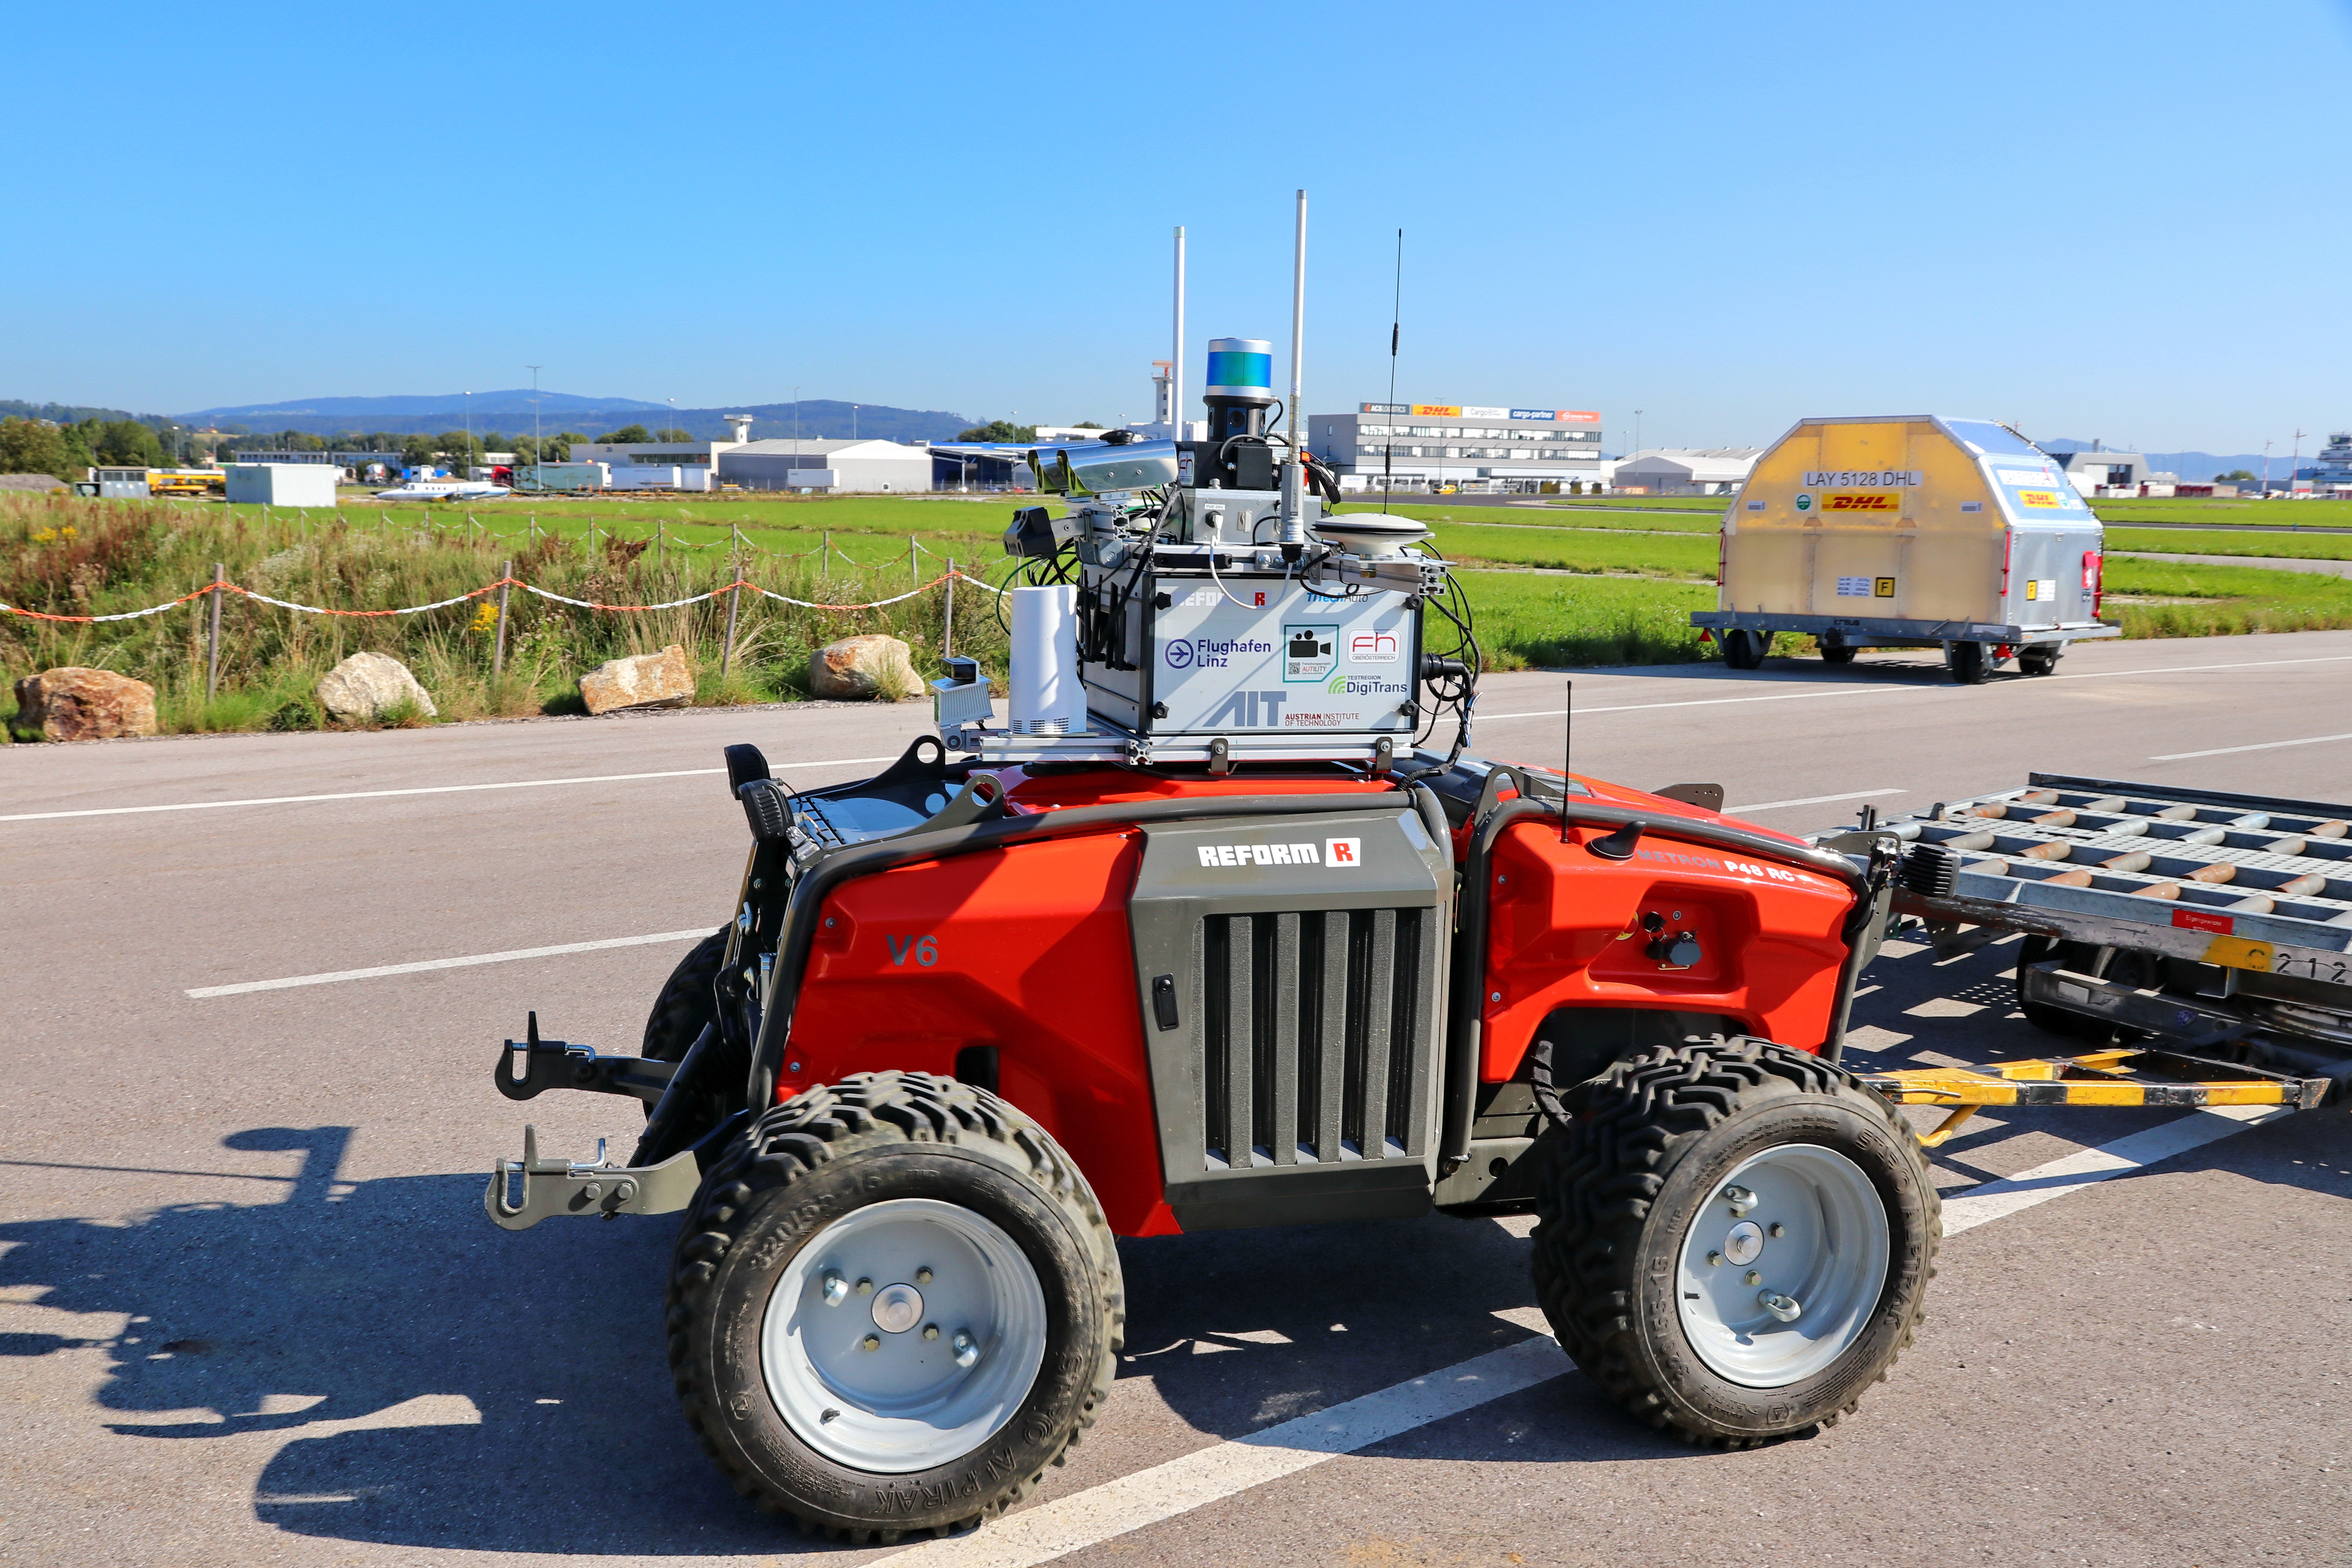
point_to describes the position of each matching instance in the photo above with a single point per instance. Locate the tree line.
(63, 449)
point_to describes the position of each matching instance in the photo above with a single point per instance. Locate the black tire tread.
(811, 1129)
(688, 999)
(1596, 1195)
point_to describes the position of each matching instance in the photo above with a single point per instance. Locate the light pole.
(469, 436)
(852, 422)
(796, 421)
(538, 439)
(1637, 432)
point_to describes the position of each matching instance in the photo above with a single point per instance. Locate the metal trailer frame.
(1876, 631)
(2217, 927)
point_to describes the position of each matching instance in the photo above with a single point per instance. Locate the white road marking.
(1809, 800)
(1997, 1200)
(2263, 746)
(1209, 1475)
(1880, 691)
(1709, 701)
(242, 987)
(429, 789)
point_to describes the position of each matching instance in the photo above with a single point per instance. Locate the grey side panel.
(1296, 1081)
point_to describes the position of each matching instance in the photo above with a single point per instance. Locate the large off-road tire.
(1843, 1227)
(894, 1303)
(689, 1000)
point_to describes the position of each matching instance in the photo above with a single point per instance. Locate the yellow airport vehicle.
(186, 481)
(1911, 531)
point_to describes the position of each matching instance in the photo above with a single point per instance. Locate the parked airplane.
(446, 490)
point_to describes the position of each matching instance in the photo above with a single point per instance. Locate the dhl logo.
(1867, 500)
(2037, 498)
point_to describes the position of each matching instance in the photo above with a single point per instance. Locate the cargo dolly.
(2201, 940)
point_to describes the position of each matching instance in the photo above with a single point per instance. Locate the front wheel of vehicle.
(1734, 1239)
(895, 1303)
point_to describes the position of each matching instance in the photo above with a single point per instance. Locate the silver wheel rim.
(1738, 1280)
(848, 1347)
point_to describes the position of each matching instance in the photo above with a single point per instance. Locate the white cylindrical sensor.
(1045, 660)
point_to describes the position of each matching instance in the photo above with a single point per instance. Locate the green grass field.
(1608, 596)
(2236, 599)
(2222, 513)
(2236, 541)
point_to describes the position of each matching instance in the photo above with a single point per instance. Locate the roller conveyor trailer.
(2201, 940)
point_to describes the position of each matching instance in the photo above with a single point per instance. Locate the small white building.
(282, 484)
(1684, 470)
(702, 456)
(847, 466)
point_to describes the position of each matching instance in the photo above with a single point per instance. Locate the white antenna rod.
(1297, 323)
(1292, 533)
(1176, 359)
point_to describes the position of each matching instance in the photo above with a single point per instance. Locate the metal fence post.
(946, 620)
(499, 649)
(658, 548)
(212, 673)
(734, 597)
(913, 567)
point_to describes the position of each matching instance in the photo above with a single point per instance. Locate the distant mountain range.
(512, 412)
(2198, 467)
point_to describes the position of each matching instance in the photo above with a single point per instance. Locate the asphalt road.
(252, 1310)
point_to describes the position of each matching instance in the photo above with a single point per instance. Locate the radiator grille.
(1312, 1028)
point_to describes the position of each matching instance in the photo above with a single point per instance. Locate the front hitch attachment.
(523, 1191)
(531, 1066)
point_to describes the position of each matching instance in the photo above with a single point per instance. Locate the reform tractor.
(1223, 925)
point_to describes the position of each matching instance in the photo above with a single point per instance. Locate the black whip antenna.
(1396, 320)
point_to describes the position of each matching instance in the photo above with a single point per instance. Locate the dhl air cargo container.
(1911, 531)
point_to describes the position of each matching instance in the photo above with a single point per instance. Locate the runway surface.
(253, 1313)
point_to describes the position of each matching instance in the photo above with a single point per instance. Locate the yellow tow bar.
(2145, 1077)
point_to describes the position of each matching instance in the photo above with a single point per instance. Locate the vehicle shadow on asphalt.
(1238, 1331)
(441, 1383)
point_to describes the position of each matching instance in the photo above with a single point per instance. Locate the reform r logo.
(1343, 852)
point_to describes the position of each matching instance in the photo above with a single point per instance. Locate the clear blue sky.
(2126, 221)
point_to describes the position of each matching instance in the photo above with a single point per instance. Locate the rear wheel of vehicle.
(689, 1000)
(1734, 1239)
(2038, 660)
(1968, 662)
(1743, 649)
(895, 1302)
(2034, 950)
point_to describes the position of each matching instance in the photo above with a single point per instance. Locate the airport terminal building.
(1427, 446)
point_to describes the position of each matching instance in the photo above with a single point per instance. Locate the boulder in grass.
(862, 668)
(664, 680)
(367, 686)
(71, 703)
